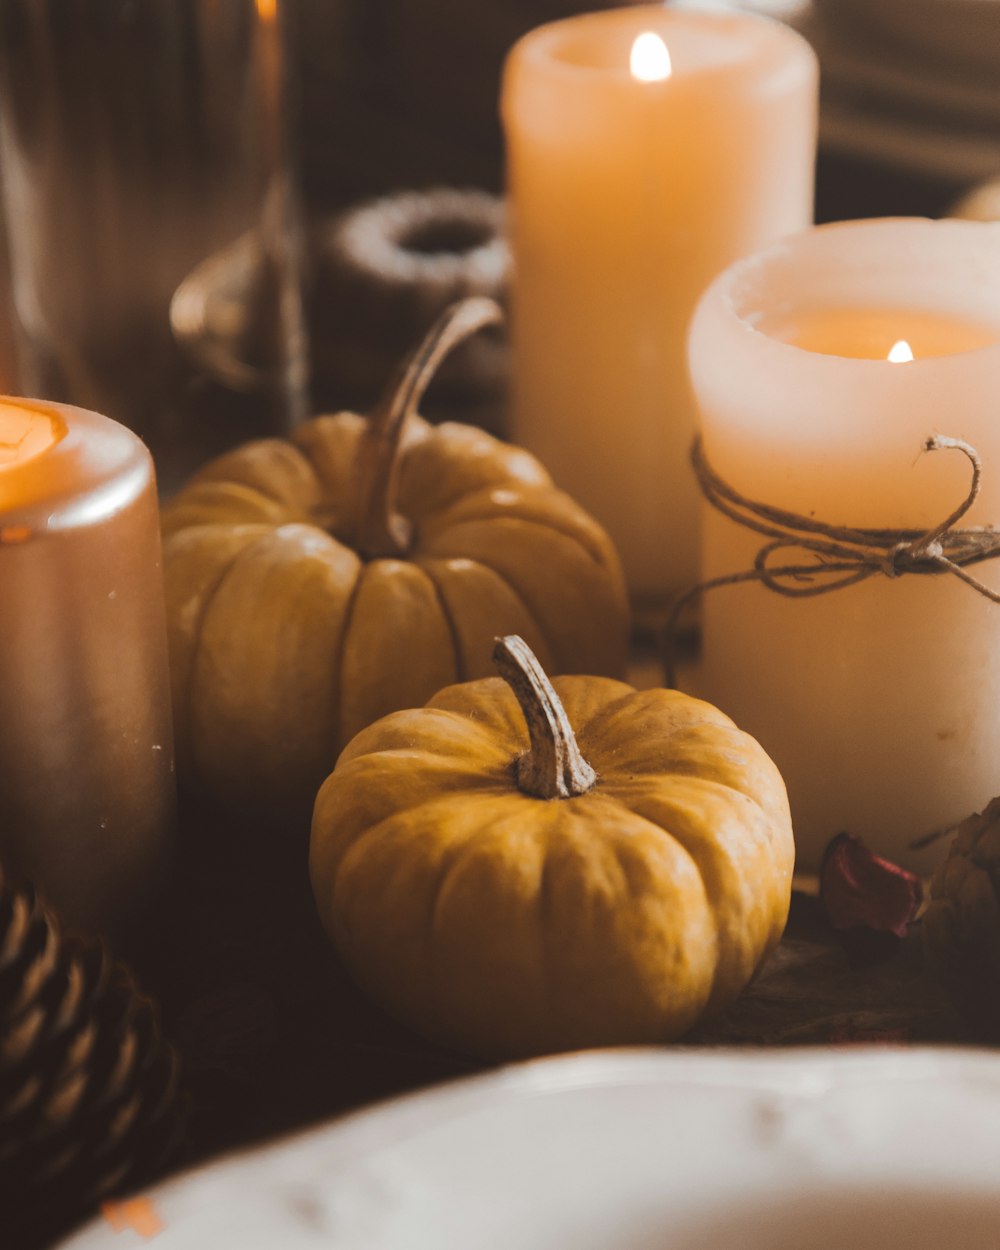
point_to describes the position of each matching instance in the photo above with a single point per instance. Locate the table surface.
(274, 1036)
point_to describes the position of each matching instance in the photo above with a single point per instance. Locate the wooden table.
(274, 1036)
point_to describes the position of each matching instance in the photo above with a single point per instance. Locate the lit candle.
(86, 757)
(647, 149)
(821, 366)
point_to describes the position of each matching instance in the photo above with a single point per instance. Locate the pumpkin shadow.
(273, 1034)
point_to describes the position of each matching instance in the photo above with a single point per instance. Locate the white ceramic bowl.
(627, 1150)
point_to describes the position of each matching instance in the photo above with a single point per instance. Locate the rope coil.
(841, 556)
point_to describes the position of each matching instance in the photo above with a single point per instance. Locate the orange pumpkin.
(516, 869)
(315, 584)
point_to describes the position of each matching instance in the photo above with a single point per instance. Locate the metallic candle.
(87, 797)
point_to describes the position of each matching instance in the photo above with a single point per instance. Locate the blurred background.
(178, 176)
(403, 93)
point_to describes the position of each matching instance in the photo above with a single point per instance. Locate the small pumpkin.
(523, 867)
(315, 584)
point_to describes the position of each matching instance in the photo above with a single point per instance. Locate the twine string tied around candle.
(840, 556)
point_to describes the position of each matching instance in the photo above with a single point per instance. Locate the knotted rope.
(842, 555)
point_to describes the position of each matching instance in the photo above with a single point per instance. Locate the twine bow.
(842, 555)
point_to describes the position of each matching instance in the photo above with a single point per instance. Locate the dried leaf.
(870, 901)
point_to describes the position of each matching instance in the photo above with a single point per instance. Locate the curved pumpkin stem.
(382, 531)
(553, 768)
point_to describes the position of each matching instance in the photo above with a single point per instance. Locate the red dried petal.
(861, 890)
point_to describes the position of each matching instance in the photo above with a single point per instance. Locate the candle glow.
(26, 432)
(900, 353)
(650, 58)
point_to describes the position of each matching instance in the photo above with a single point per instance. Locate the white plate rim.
(792, 1079)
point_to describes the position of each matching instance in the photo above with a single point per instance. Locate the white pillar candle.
(86, 752)
(879, 702)
(647, 148)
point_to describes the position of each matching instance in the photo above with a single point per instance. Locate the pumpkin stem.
(553, 768)
(382, 531)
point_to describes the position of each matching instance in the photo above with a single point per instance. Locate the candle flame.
(650, 60)
(900, 353)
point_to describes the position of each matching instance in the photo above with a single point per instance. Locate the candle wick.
(838, 556)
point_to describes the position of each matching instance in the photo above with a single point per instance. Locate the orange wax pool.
(27, 432)
(871, 333)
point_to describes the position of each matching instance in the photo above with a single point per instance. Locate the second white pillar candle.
(879, 702)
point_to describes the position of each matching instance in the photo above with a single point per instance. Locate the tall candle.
(821, 366)
(629, 190)
(86, 759)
